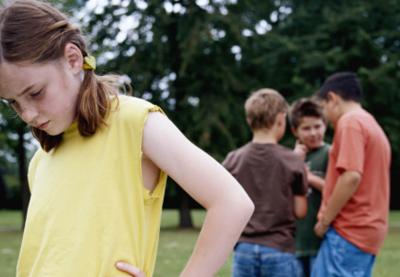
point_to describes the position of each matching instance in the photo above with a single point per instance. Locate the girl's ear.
(74, 58)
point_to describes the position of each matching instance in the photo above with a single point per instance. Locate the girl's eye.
(35, 94)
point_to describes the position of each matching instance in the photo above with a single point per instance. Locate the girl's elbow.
(251, 207)
(241, 207)
(247, 206)
(242, 203)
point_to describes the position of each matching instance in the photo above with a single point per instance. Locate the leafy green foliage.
(213, 54)
(199, 60)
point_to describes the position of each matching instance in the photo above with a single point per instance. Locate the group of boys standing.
(320, 210)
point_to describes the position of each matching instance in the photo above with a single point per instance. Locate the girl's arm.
(228, 206)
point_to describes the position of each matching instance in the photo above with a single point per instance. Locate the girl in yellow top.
(98, 180)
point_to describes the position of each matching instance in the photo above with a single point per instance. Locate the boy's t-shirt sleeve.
(351, 150)
(227, 163)
(300, 184)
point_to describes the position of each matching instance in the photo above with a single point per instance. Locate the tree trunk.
(21, 154)
(185, 217)
(3, 195)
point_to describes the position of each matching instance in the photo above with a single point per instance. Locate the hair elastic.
(89, 63)
(59, 24)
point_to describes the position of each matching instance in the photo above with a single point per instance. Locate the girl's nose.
(29, 116)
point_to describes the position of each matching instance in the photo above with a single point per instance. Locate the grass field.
(176, 246)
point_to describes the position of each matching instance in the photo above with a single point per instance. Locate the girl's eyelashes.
(36, 94)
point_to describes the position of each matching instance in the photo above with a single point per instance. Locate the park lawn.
(176, 245)
(10, 239)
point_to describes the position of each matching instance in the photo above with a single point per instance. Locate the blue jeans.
(339, 257)
(255, 260)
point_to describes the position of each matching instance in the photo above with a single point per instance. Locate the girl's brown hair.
(36, 32)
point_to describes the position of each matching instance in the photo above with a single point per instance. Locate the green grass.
(176, 245)
(10, 240)
(388, 260)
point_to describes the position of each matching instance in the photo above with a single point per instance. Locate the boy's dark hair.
(304, 107)
(262, 107)
(344, 84)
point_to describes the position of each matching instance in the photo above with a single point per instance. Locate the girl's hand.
(130, 269)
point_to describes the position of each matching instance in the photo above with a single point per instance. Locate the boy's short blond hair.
(263, 106)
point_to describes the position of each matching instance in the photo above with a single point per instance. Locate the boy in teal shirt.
(308, 125)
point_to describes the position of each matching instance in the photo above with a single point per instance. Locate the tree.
(200, 59)
(319, 38)
(14, 138)
(184, 57)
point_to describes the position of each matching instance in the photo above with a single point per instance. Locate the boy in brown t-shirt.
(275, 179)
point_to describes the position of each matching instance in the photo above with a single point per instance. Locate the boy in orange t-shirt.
(355, 203)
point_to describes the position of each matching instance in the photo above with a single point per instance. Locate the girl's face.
(44, 95)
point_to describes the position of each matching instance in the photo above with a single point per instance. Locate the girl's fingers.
(128, 268)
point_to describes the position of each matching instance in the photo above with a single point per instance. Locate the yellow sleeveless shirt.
(89, 208)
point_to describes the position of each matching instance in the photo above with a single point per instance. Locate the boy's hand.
(300, 149)
(320, 229)
(314, 180)
(130, 269)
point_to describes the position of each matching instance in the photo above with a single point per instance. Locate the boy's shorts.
(339, 257)
(254, 260)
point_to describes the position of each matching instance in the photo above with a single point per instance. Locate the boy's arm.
(300, 206)
(315, 181)
(300, 189)
(346, 186)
